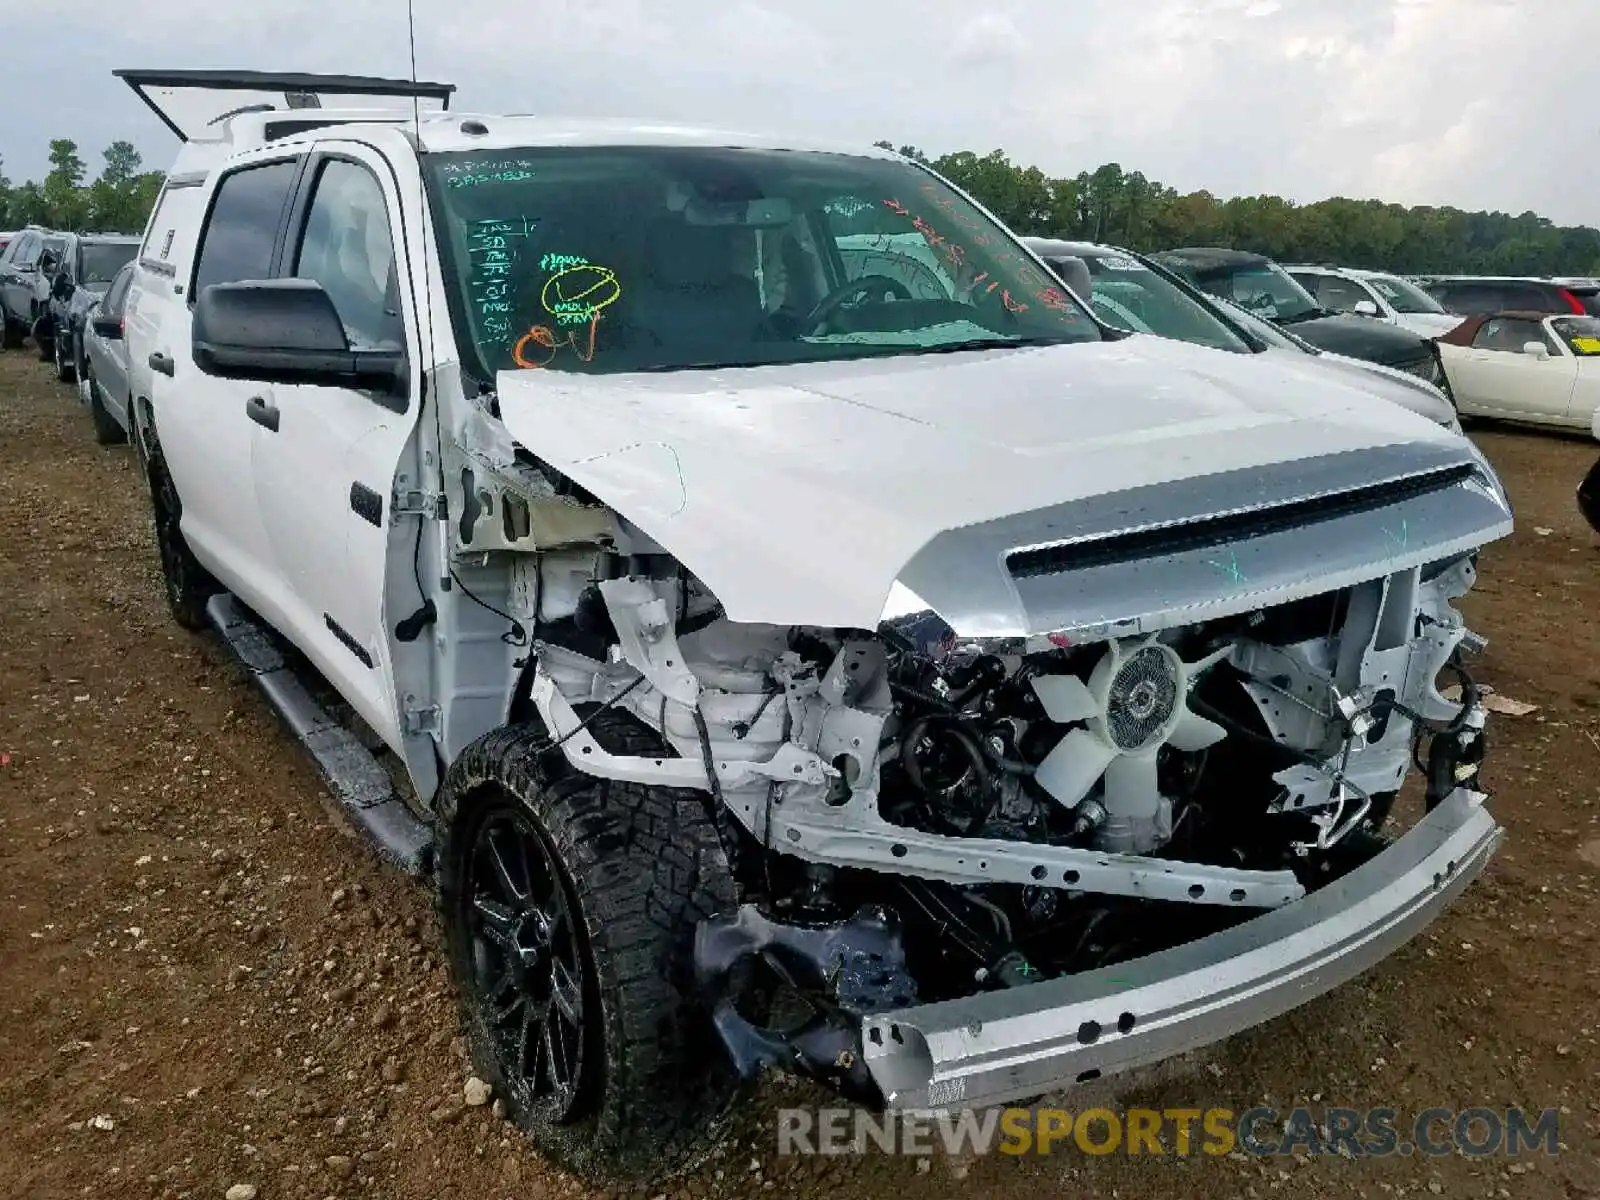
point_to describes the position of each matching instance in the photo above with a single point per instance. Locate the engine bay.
(916, 817)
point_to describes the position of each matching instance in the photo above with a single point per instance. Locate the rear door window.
(242, 230)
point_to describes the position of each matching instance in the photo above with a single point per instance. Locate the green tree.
(63, 186)
(114, 201)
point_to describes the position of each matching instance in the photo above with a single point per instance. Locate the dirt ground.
(205, 982)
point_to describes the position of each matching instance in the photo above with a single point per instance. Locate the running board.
(362, 787)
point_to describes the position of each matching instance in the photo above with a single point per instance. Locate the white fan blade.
(1131, 787)
(1195, 733)
(1074, 766)
(1066, 698)
(1201, 665)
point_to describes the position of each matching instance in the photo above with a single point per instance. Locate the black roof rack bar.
(276, 81)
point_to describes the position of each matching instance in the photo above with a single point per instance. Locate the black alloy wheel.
(531, 968)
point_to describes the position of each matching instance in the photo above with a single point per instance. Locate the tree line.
(1106, 205)
(118, 200)
(1127, 209)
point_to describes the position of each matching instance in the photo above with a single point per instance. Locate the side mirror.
(1364, 308)
(109, 328)
(1536, 350)
(286, 331)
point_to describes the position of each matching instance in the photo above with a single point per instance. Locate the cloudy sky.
(1477, 103)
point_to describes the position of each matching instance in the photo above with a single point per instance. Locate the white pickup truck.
(773, 663)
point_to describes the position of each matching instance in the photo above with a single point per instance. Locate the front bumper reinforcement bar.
(1030, 1041)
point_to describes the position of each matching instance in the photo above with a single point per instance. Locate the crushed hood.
(799, 493)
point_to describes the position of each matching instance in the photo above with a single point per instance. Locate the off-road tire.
(106, 430)
(188, 584)
(66, 371)
(10, 332)
(641, 867)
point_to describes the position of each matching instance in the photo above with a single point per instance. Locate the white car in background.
(1377, 294)
(1526, 366)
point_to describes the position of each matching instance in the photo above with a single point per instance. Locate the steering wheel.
(868, 287)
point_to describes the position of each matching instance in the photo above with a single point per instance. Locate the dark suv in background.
(88, 264)
(25, 269)
(1472, 295)
(1261, 286)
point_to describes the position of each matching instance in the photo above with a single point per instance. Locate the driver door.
(323, 468)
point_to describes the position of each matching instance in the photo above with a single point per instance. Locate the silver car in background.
(103, 381)
(1131, 292)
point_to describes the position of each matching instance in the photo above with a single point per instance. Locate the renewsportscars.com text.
(1260, 1132)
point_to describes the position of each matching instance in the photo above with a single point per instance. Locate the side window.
(117, 293)
(347, 248)
(1507, 334)
(1340, 294)
(27, 251)
(243, 225)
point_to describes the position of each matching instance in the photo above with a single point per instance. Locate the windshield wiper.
(986, 344)
(1309, 314)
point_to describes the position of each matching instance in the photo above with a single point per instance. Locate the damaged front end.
(1105, 799)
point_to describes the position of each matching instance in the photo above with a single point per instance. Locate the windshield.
(612, 259)
(1265, 289)
(1403, 297)
(1265, 330)
(1126, 293)
(1581, 334)
(102, 261)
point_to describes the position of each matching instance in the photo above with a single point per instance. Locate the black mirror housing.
(286, 331)
(108, 328)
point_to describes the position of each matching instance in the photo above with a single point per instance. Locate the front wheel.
(569, 907)
(11, 331)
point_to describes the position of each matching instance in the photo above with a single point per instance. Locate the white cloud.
(1479, 103)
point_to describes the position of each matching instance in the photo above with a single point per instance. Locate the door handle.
(163, 363)
(262, 412)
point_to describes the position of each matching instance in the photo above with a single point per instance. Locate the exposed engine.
(916, 817)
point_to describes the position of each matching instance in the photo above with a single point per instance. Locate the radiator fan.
(1135, 702)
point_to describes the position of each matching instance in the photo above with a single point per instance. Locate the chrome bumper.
(1029, 1041)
